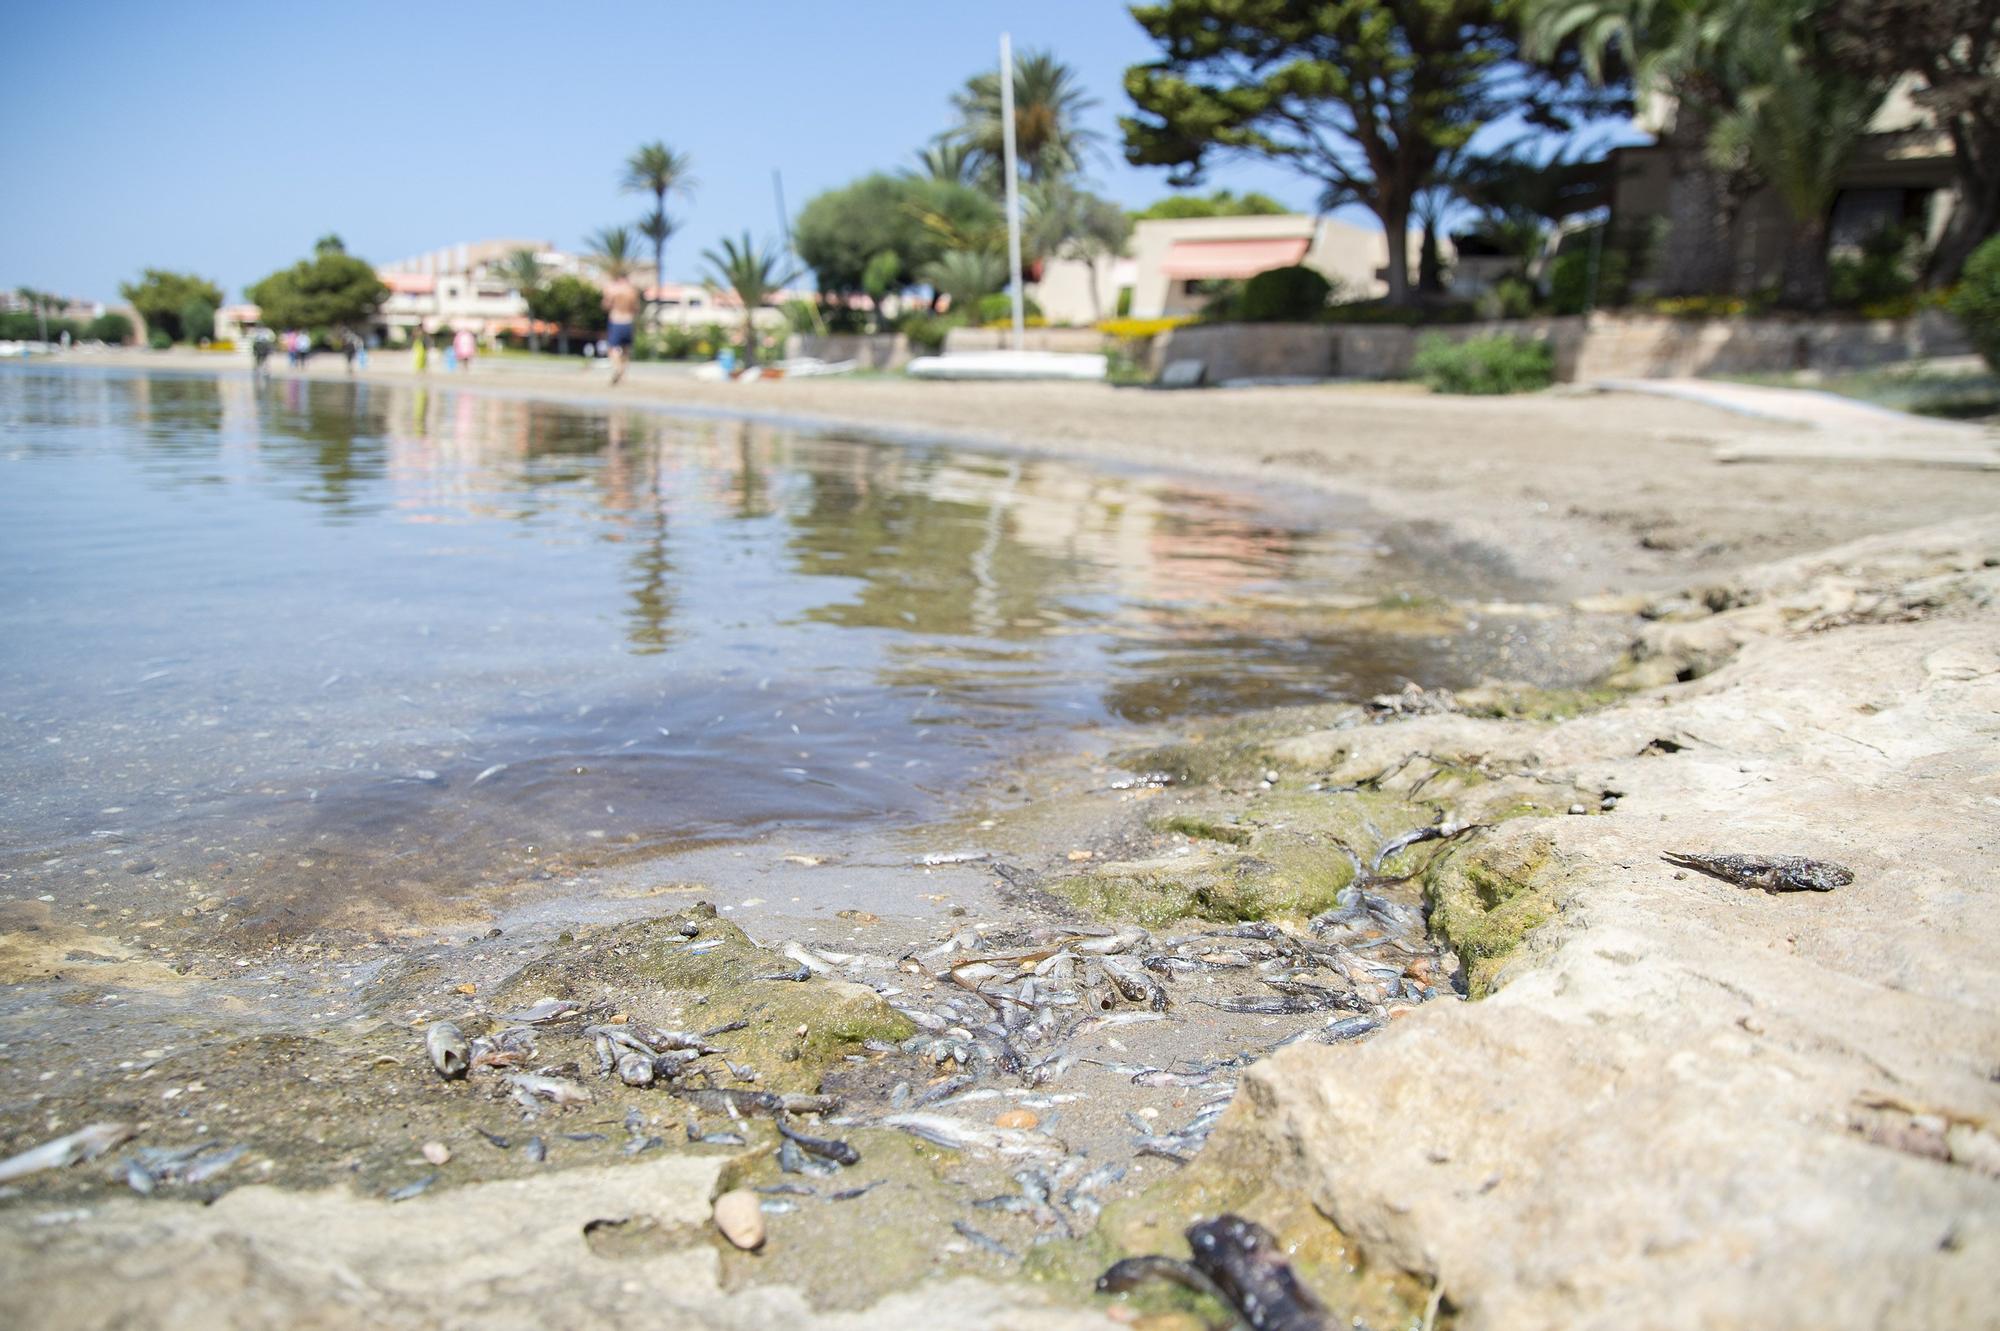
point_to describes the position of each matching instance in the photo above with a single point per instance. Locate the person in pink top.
(466, 345)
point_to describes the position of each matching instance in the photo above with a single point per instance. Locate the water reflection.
(288, 627)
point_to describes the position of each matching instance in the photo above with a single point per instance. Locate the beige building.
(1175, 262)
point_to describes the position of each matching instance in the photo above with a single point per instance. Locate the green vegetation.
(1284, 295)
(753, 273)
(1976, 302)
(1221, 203)
(1049, 103)
(333, 289)
(1483, 365)
(571, 304)
(1917, 387)
(1370, 98)
(615, 251)
(160, 296)
(110, 327)
(1486, 899)
(966, 277)
(658, 170)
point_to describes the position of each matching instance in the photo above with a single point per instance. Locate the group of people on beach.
(458, 352)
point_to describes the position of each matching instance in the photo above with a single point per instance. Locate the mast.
(1013, 180)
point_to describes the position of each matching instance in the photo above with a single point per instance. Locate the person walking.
(349, 345)
(467, 346)
(621, 302)
(420, 351)
(261, 343)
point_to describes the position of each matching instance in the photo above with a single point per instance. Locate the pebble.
(1017, 1118)
(740, 1217)
(1578, 808)
(437, 1153)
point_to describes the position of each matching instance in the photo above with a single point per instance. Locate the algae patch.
(1486, 899)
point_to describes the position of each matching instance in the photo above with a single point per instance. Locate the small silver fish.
(544, 1011)
(536, 1150)
(555, 1090)
(409, 1190)
(83, 1144)
(635, 1070)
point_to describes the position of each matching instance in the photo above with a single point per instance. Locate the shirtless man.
(621, 301)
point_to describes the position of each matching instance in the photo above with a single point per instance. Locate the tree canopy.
(1221, 203)
(160, 295)
(570, 303)
(1368, 97)
(333, 289)
(839, 233)
(1049, 101)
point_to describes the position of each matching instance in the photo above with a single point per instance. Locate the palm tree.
(753, 274)
(946, 159)
(1671, 48)
(1049, 102)
(966, 276)
(614, 252)
(658, 170)
(38, 301)
(1065, 222)
(1797, 123)
(524, 272)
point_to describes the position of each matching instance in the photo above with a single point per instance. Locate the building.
(1176, 264)
(1902, 175)
(465, 286)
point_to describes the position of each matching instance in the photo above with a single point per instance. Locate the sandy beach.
(1672, 1101)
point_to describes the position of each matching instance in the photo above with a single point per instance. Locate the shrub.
(998, 308)
(1139, 329)
(1509, 298)
(1976, 302)
(1499, 364)
(158, 339)
(926, 331)
(1124, 308)
(1881, 276)
(197, 321)
(1284, 295)
(110, 327)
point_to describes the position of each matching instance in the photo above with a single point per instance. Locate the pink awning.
(409, 284)
(1233, 258)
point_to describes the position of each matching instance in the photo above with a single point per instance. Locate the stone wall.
(1087, 340)
(875, 351)
(1602, 346)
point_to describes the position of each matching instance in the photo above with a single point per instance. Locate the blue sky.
(222, 138)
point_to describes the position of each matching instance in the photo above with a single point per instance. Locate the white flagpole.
(1013, 181)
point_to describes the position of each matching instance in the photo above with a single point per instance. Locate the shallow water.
(328, 649)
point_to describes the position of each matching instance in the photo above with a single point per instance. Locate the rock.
(1017, 1118)
(437, 1153)
(741, 1219)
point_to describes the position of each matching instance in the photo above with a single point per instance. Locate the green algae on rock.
(1485, 899)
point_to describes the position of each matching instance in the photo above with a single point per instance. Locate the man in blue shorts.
(621, 302)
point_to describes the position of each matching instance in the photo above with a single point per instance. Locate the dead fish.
(777, 1206)
(1276, 1005)
(635, 1070)
(536, 1150)
(1347, 1028)
(944, 1090)
(495, 1139)
(1132, 1272)
(1135, 984)
(83, 1144)
(849, 1194)
(799, 976)
(938, 859)
(1246, 1263)
(409, 1190)
(495, 770)
(795, 1189)
(793, 1160)
(543, 1012)
(449, 1052)
(624, 1037)
(1111, 1019)
(585, 1137)
(826, 1148)
(201, 1171)
(657, 1040)
(979, 1240)
(555, 1090)
(958, 1135)
(1772, 873)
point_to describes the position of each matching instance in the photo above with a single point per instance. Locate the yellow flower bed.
(1138, 330)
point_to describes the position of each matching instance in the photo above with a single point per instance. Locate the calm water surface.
(314, 644)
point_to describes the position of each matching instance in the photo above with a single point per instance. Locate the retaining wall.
(875, 351)
(1602, 346)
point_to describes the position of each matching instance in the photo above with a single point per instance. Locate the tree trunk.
(1430, 263)
(1697, 258)
(1977, 212)
(1396, 229)
(749, 334)
(1803, 285)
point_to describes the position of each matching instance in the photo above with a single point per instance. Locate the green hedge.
(1284, 295)
(1497, 364)
(1976, 302)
